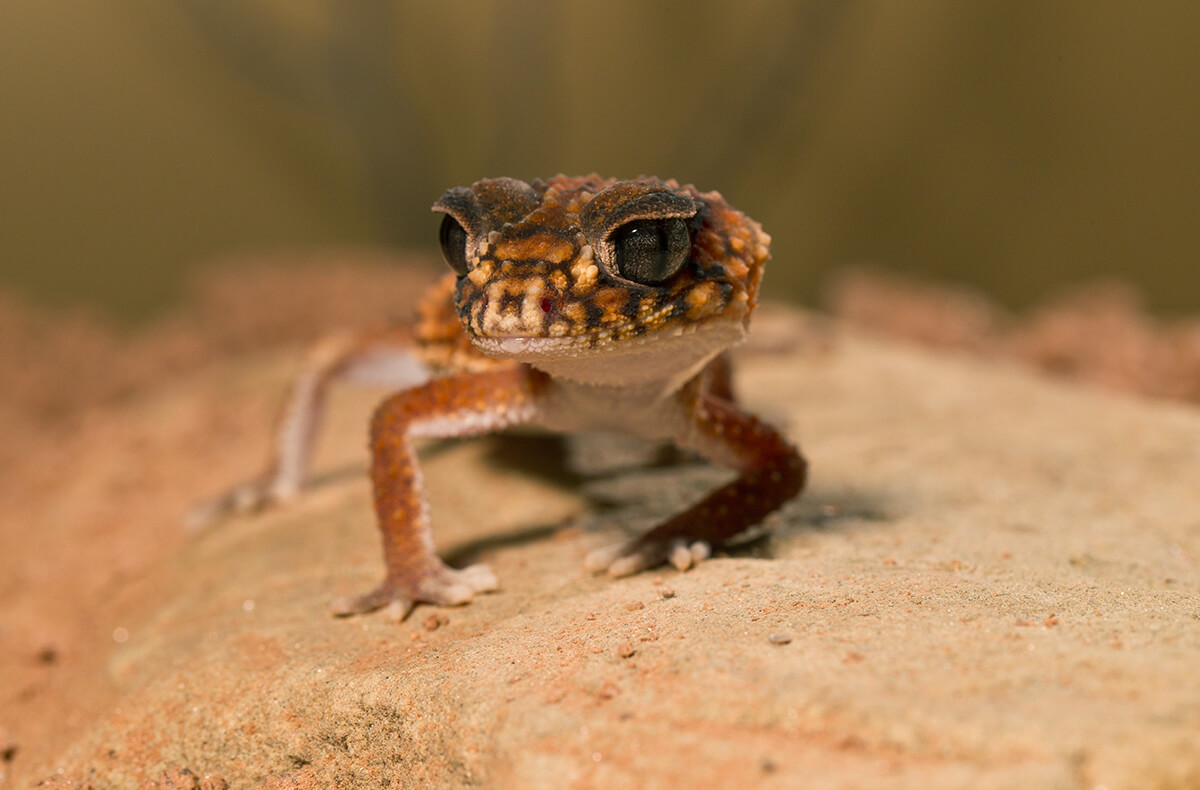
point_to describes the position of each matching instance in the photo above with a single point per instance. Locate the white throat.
(670, 357)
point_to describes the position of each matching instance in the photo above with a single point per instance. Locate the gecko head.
(605, 280)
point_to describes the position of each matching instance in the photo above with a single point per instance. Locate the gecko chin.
(616, 357)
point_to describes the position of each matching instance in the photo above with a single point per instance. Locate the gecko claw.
(626, 559)
(442, 585)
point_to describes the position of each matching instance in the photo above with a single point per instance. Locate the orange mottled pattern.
(438, 336)
(575, 304)
(540, 263)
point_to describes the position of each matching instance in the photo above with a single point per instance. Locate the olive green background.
(1018, 146)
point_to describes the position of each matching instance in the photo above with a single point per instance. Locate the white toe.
(680, 556)
(398, 609)
(599, 560)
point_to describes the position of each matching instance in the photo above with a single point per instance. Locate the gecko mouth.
(614, 341)
(525, 345)
(536, 332)
(613, 357)
(514, 346)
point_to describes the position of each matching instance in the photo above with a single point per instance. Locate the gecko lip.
(516, 345)
(526, 346)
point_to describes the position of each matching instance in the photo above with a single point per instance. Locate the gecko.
(573, 304)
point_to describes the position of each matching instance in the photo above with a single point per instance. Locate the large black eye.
(649, 251)
(453, 239)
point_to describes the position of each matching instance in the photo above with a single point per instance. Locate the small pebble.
(667, 592)
(626, 649)
(633, 607)
(779, 639)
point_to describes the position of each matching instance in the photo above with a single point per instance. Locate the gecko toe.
(450, 587)
(398, 609)
(480, 578)
(626, 559)
(598, 560)
(680, 556)
(639, 560)
(447, 593)
(361, 604)
(250, 497)
(436, 585)
(203, 514)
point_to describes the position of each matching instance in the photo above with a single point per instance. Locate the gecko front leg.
(772, 471)
(463, 405)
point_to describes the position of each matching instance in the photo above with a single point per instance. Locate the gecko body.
(574, 304)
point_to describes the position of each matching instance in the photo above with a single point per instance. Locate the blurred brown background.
(1016, 146)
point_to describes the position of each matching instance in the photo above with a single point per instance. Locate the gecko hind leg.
(381, 357)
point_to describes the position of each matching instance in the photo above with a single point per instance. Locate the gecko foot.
(249, 497)
(440, 585)
(625, 559)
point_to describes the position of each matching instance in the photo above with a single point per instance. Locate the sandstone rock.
(992, 581)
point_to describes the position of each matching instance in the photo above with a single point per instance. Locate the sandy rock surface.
(992, 581)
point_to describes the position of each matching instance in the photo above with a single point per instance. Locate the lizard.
(573, 303)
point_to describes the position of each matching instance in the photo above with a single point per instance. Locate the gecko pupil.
(453, 240)
(649, 251)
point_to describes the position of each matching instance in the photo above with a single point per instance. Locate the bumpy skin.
(541, 262)
(540, 326)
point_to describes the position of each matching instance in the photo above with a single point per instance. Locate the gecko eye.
(453, 239)
(649, 251)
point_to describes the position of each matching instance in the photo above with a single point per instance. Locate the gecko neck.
(650, 409)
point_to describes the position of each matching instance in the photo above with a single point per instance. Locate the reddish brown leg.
(462, 405)
(772, 472)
